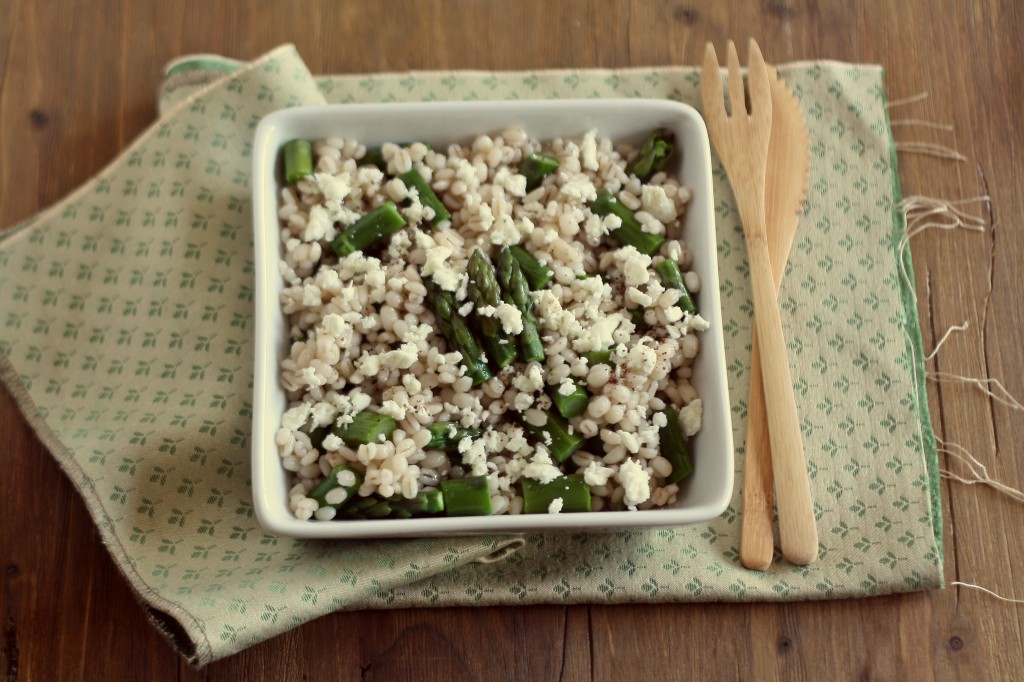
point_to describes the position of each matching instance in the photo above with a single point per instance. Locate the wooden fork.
(741, 140)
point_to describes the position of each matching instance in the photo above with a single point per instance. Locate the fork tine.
(737, 98)
(711, 86)
(757, 81)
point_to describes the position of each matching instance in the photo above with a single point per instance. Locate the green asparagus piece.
(485, 291)
(459, 336)
(672, 276)
(426, 502)
(674, 448)
(317, 435)
(630, 232)
(537, 497)
(374, 157)
(555, 435)
(537, 274)
(637, 317)
(339, 487)
(536, 167)
(412, 178)
(518, 294)
(381, 222)
(298, 160)
(445, 436)
(654, 154)
(366, 427)
(572, 405)
(468, 496)
(599, 357)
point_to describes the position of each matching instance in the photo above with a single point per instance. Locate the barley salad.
(500, 327)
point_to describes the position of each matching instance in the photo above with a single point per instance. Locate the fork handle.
(757, 537)
(797, 531)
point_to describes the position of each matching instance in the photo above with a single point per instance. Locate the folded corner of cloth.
(127, 340)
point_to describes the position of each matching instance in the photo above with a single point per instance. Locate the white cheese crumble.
(566, 388)
(635, 266)
(511, 318)
(690, 417)
(658, 204)
(597, 474)
(636, 482)
(556, 506)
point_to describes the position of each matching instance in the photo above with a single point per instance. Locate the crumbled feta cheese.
(577, 189)
(588, 151)
(332, 443)
(556, 506)
(333, 187)
(474, 455)
(635, 266)
(311, 296)
(393, 410)
(639, 297)
(642, 359)
(511, 318)
(466, 309)
(635, 481)
(295, 418)
(657, 203)
(690, 417)
(513, 183)
(522, 402)
(566, 387)
(596, 474)
(540, 468)
(403, 357)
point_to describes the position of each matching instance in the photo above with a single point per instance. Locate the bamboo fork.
(741, 140)
(787, 148)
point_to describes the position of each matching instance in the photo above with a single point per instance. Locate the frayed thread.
(952, 328)
(975, 468)
(988, 592)
(939, 151)
(893, 103)
(1000, 393)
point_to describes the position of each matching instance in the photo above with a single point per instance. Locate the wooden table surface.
(78, 84)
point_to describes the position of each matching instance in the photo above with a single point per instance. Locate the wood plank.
(78, 83)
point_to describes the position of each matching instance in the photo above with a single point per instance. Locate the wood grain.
(77, 83)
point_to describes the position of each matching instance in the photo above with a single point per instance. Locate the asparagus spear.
(571, 405)
(537, 274)
(468, 496)
(599, 357)
(445, 436)
(366, 427)
(536, 167)
(672, 276)
(298, 160)
(673, 447)
(339, 487)
(630, 232)
(374, 157)
(555, 434)
(425, 503)
(484, 291)
(518, 294)
(457, 332)
(381, 222)
(654, 154)
(412, 178)
(537, 497)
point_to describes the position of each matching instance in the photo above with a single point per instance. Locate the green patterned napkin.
(126, 317)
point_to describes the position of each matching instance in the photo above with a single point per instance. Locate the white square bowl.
(703, 495)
